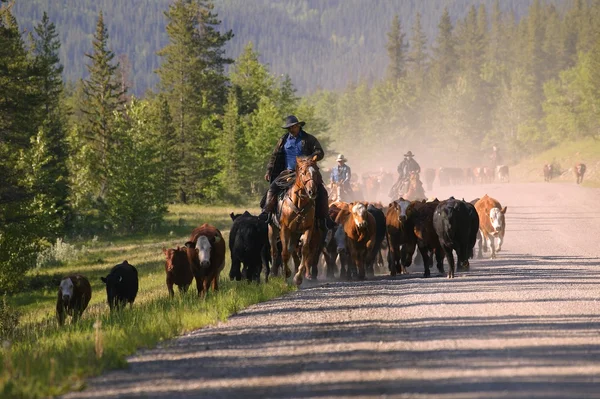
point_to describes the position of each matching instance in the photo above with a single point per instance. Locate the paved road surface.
(526, 325)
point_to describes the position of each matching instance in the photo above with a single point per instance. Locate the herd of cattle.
(354, 236)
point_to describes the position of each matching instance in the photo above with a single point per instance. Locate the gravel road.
(526, 325)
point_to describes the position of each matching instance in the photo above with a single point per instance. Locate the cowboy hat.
(290, 121)
(409, 154)
(341, 158)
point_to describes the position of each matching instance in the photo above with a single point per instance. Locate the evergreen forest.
(107, 116)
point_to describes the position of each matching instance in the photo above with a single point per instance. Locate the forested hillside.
(318, 43)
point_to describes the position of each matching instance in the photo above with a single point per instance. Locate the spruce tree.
(102, 97)
(396, 49)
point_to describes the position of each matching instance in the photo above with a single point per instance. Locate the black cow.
(121, 285)
(380, 230)
(249, 244)
(454, 226)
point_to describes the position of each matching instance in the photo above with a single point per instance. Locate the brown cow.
(74, 294)
(396, 235)
(548, 171)
(360, 229)
(208, 258)
(579, 170)
(178, 268)
(371, 186)
(492, 224)
(419, 224)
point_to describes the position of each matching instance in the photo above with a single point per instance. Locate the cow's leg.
(406, 256)
(450, 257)
(492, 246)
(439, 257)
(170, 287)
(215, 283)
(287, 247)
(427, 260)
(500, 241)
(393, 256)
(235, 272)
(205, 286)
(480, 244)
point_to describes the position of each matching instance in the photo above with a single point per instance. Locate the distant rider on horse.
(294, 143)
(405, 168)
(340, 178)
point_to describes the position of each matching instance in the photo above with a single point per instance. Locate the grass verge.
(46, 360)
(563, 157)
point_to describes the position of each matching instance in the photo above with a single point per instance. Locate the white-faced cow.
(74, 294)
(492, 224)
(208, 258)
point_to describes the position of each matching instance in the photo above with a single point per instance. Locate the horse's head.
(308, 176)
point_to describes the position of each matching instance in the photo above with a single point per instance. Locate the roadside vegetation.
(41, 359)
(563, 158)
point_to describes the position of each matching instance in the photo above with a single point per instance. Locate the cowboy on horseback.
(405, 168)
(294, 143)
(340, 177)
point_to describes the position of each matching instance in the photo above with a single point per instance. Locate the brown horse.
(415, 190)
(296, 216)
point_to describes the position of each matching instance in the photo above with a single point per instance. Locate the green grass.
(565, 155)
(44, 359)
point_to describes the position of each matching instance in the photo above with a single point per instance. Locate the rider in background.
(341, 175)
(405, 168)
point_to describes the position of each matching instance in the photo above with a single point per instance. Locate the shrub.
(58, 254)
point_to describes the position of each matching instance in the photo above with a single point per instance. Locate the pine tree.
(193, 81)
(251, 80)
(470, 48)
(444, 54)
(396, 49)
(19, 239)
(168, 151)
(286, 98)
(53, 179)
(417, 57)
(229, 150)
(102, 97)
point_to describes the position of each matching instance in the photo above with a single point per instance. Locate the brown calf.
(360, 229)
(207, 258)
(492, 224)
(74, 294)
(178, 269)
(548, 172)
(397, 236)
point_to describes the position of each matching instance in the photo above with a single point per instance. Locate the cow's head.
(359, 214)
(66, 290)
(175, 256)
(203, 248)
(497, 219)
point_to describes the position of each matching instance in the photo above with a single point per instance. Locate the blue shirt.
(293, 149)
(340, 174)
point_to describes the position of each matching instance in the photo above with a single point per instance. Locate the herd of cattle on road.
(358, 236)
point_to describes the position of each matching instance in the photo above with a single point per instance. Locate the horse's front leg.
(286, 247)
(306, 239)
(274, 251)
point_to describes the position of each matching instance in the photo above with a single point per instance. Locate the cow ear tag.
(120, 278)
(217, 239)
